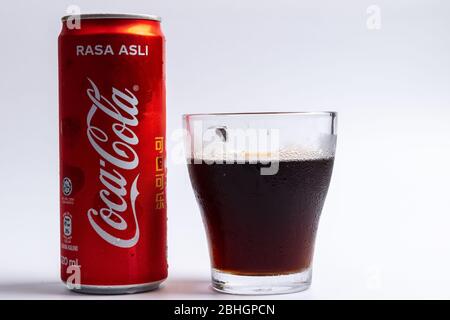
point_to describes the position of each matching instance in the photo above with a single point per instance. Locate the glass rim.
(264, 113)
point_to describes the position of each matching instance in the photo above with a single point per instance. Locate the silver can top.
(112, 16)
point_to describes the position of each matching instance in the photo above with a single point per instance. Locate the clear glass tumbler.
(260, 180)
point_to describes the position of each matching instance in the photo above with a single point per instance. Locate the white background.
(385, 227)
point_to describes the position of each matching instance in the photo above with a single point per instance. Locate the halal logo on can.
(67, 186)
(67, 224)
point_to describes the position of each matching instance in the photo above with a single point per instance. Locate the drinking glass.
(260, 180)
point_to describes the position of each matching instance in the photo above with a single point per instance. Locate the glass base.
(261, 285)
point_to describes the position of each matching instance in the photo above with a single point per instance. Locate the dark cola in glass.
(261, 224)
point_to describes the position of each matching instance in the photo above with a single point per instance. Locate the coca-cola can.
(112, 153)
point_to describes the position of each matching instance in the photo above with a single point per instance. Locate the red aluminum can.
(112, 153)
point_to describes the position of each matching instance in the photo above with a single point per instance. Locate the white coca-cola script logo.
(122, 110)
